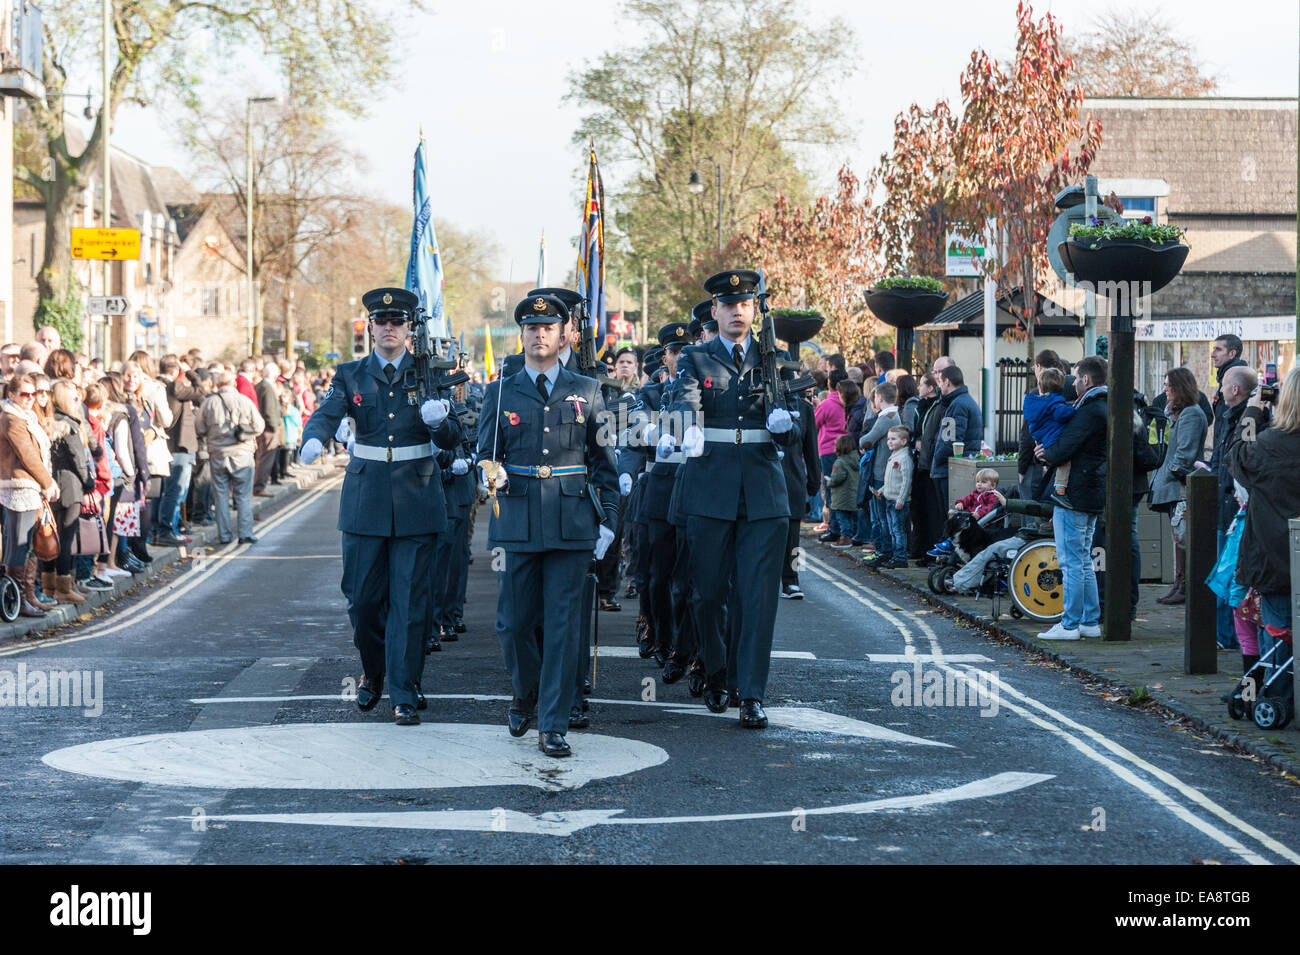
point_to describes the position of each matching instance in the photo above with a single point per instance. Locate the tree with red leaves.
(1020, 141)
(911, 223)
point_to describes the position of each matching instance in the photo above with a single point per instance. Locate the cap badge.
(735, 280)
(539, 304)
(680, 332)
(388, 299)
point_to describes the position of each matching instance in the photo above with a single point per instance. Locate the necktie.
(738, 354)
(541, 387)
(388, 373)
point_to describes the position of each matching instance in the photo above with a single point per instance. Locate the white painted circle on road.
(354, 756)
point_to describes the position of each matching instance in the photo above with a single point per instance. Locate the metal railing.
(1015, 376)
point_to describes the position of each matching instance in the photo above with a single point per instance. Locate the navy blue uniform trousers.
(546, 580)
(386, 583)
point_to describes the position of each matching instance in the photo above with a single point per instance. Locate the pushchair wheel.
(1016, 612)
(11, 599)
(1237, 708)
(932, 581)
(1272, 713)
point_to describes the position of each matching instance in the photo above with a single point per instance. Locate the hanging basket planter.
(794, 326)
(906, 307)
(1135, 253)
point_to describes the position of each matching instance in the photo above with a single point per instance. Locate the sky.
(485, 80)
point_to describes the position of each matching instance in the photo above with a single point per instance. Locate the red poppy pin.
(356, 399)
(708, 382)
(512, 417)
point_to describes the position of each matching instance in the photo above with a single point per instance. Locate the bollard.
(1200, 651)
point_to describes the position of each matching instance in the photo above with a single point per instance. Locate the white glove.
(780, 455)
(779, 421)
(651, 434)
(603, 541)
(435, 411)
(795, 415)
(665, 447)
(460, 466)
(693, 442)
(625, 484)
(311, 450)
(345, 434)
(487, 466)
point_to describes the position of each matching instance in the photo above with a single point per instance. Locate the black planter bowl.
(794, 329)
(905, 307)
(1123, 260)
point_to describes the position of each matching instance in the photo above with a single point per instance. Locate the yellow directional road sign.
(106, 243)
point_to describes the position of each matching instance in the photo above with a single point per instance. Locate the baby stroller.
(969, 536)
(1264, 692)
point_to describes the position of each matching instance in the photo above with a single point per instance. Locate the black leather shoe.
(578, 720)
(553, 744)
(644, 645)
(459, 626)
(610, 605)
(420, 702)
(674, 670)
(752, 716)
(432, 644)
(521, 714)
(733, 697)
(248, 540)
(404, 715)
(447, 635)
(368, 693)
(715, 692)
(660, 654)
(586, 688)
(695, 680)
(630, 593)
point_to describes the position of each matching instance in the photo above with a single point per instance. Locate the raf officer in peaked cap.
(555, 501)
(392, 507)
(570, 299)
(704, 327)
(733, 492)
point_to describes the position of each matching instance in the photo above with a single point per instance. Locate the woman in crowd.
(72, 471)
(103, 465)
(909, 403)
(928, 515)
(1186, 447)
(831, 416)
(1265, 457)
(61, 364)
(127, 439)
(141, 394)
(25, 482)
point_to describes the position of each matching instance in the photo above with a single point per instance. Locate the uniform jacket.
(516, 428)
(960, 409)
(457, 489)
(802, 464)
(513, 364)
(710, 391)
(383, 498)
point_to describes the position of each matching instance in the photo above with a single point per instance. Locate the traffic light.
(360, 339)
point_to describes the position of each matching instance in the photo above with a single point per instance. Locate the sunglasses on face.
(26, 394)
(397, 321)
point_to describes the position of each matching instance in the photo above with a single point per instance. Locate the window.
(210, 302)
(1135, 207)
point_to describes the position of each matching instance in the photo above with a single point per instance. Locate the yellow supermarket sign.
(106, 243)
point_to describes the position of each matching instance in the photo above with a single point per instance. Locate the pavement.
(217, 725)
(1146, 670)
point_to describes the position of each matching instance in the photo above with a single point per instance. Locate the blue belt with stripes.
(545, 470)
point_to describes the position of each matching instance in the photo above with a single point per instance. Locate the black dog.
(969, 538)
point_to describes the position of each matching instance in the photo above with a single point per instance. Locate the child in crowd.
(843, 483)
(897, 493)
(1046, 412)
(978, 502)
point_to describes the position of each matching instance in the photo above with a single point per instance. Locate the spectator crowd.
(98, 465)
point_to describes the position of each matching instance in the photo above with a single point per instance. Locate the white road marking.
(801, 718)
(1122, 772)
(620, 652)
(352, 756)
(927, 658)
(212, 564)
(567, 823)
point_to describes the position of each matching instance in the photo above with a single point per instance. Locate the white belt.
(410, 452)
(738, 435)
(677, 457)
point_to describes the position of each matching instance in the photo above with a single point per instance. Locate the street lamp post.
(695, 185)
(248, 219)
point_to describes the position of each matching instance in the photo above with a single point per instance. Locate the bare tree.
(1137, 53)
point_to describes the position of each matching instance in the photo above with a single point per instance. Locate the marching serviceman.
(733, 491)
(392, 507)
(555, 500)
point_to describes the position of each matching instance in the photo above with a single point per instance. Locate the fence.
(1015, 377)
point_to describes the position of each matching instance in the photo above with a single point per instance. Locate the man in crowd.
(183, 396)
(229, 423)
(272, 437)
(9, 359)
(49, 337)
(1083, 444)
(959, 421)
(1236, 382)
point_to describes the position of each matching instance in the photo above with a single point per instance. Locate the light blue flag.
(424, 267)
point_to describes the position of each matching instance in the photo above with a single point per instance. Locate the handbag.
(45, 539)
(126, 519)
(91, 539)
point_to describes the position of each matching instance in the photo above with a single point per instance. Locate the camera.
(1268, 394)
(237, 432)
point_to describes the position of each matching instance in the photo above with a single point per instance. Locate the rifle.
(588, 363)
(776, 390)
(429, 377)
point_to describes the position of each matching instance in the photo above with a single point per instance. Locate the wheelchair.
(11, 599)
